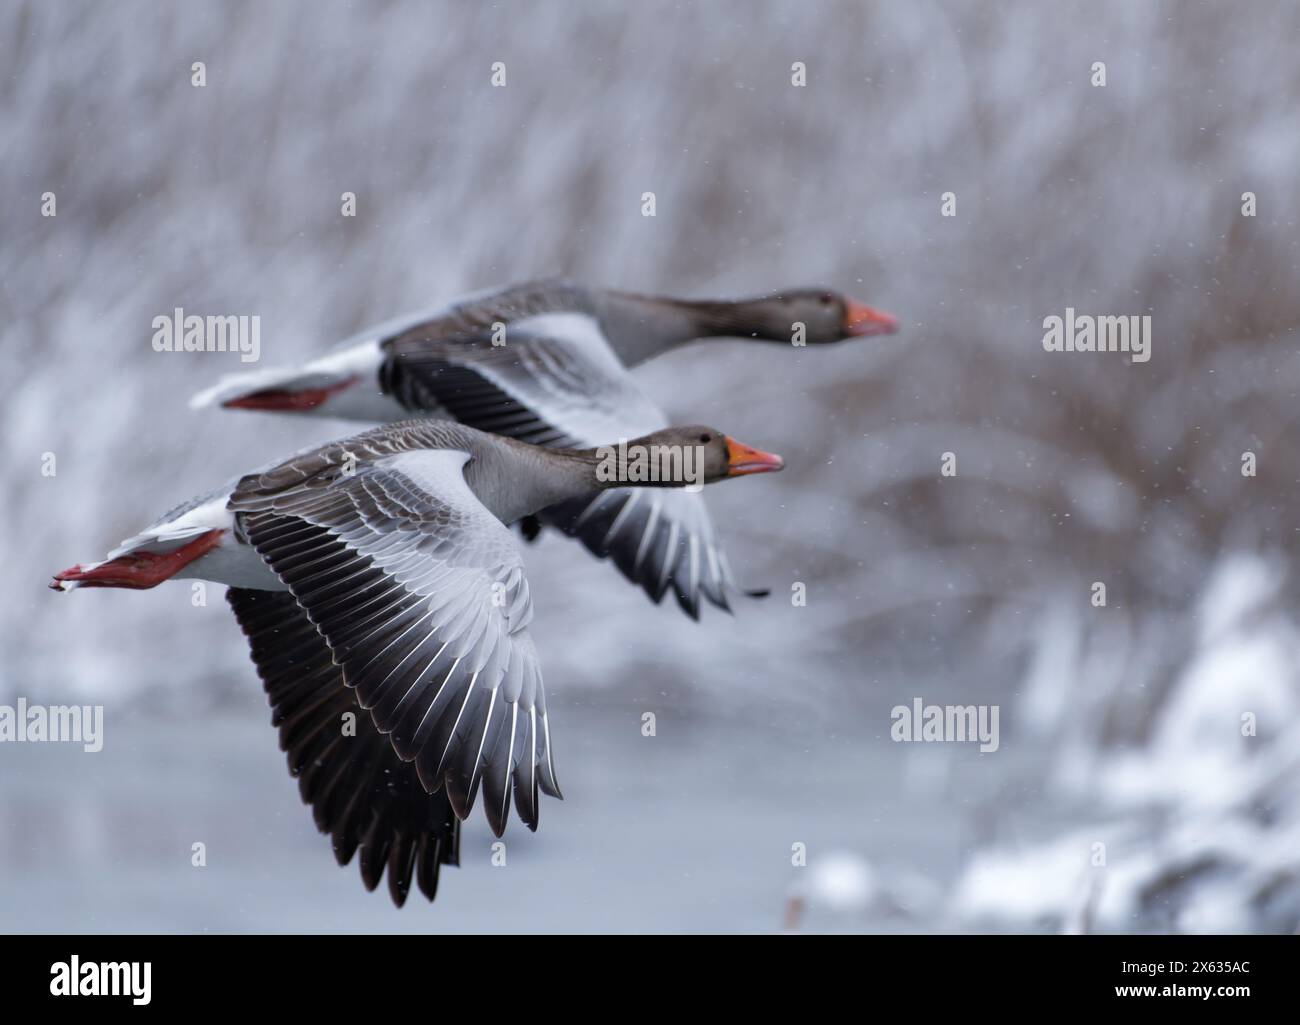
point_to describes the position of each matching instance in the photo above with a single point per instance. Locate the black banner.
(335, 974)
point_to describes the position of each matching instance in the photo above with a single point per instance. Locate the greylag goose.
(546, 362)
(386, 608)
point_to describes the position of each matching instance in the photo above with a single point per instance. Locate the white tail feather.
(233, 386)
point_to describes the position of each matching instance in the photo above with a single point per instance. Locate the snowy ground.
(690, 830)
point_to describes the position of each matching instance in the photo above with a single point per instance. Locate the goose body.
(546, 362)
(376, 577)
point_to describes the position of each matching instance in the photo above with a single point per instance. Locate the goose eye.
(706, 438)
(827, 299)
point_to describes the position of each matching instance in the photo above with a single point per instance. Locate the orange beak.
(860, 320)
(741, 460)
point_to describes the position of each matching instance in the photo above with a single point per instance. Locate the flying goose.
(546, 362)
(386, 608)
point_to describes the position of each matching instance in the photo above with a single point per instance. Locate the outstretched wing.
(659, 538)
(420, 594)
(555, 382)
(360, 792)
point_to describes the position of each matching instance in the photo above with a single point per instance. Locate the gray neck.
(514, 480)
(640, 327)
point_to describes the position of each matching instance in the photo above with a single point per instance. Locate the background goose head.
(827, 317)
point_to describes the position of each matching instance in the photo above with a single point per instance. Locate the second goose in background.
(545, 362)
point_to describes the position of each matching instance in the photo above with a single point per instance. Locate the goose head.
(711, 454)
(827, 317)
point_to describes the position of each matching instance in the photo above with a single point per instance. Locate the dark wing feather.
(419, 593)
(659, 538)
(428, 383)
(361, 794)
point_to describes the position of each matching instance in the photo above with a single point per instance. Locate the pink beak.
(861, 320)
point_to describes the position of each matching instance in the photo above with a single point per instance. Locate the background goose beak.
(864, 320)
(741, 459)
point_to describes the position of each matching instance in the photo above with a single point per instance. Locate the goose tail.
(140, 566)
(287, 390)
